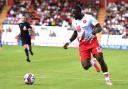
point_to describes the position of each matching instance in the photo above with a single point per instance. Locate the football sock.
(26, 52)
(107, 79)
(106, 76)
(30, 51)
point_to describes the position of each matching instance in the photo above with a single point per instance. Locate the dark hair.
(77, 7)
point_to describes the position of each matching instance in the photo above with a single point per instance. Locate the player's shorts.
(87, 48)
(26, 41)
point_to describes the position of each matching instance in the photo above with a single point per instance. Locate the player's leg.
(30, 47)
(86, 63)
(97, 53)
(85, 55)
(26, 52)
(85, 58)
(101, 61)
(30, 50)
(95, 64)
(104, 67)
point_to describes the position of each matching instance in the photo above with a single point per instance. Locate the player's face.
(76, 13)
(23, 19)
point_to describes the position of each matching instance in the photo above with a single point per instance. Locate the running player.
(85, 29)
(25, 30)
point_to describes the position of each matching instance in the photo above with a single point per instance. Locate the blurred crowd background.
(48, 12)
(58, 13)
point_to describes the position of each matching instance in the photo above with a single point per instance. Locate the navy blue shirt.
(24, 32)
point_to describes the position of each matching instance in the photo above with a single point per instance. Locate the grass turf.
(56, 68)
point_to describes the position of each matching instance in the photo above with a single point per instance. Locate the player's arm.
(73, 37)
(95, 25)
(30, 29)
(29, 26)
(96, 29)
(19, 25)
(18, 36)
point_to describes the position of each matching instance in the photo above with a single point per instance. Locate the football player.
(25, 29)
(85, 28)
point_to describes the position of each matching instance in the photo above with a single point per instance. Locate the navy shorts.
(26, 41)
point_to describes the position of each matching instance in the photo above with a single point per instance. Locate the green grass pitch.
(57, 68)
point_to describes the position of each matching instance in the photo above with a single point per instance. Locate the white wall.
(43, 37)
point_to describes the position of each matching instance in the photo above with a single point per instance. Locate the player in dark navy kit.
(25, 36)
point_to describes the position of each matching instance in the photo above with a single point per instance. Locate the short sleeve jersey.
(84, 26)
(24, 29)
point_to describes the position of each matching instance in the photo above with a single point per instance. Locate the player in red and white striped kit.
(85, 29)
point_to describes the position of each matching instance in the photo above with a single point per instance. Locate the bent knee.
(86, 64)
(86, 67)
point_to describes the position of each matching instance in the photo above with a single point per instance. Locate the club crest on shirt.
(24, 28)
(84, 21)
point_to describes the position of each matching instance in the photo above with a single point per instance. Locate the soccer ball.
(29, 78)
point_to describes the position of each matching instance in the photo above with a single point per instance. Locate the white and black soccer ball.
(29, 78)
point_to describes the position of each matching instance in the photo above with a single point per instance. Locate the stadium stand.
(2, 4)
(49, 12)
(116, 21)
(53, 15)
(3, 15)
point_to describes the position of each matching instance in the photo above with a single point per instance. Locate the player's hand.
(17, 37)
(66, 45)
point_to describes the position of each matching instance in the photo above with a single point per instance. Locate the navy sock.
(26, 52)
(31, 51)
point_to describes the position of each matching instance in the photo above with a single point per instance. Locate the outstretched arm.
(73, 37)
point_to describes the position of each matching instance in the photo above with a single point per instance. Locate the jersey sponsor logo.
(78, 28)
